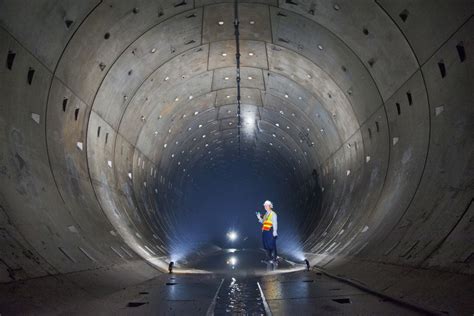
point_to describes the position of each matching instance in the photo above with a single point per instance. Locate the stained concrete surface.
(363, 108)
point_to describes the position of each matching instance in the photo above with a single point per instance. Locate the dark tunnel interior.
(121, 149)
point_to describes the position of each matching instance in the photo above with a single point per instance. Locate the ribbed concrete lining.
(106, 107)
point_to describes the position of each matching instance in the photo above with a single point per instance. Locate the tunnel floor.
(247, 287)
(302, 292)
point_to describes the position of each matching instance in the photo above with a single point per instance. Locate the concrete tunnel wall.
(107, 106)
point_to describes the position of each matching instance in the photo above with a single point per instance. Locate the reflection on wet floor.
(240, 293)
(246, 289)
(239, 296)
(243, 262)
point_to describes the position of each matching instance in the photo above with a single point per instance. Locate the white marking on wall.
(72, 229)
(35, 117)
(126, 251)
(79, 145)
(116, 252)
(148, 248)
(331, 247)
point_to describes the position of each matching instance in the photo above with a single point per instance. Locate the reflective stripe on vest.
(267, 222)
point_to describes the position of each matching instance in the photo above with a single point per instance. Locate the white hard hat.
(267, 202)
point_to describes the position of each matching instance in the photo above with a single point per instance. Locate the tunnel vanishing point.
(108, 107)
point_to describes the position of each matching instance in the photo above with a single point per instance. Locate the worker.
(269, 231)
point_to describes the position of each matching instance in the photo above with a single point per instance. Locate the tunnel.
(128, 143)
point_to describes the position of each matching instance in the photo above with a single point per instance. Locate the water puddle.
(239, 296)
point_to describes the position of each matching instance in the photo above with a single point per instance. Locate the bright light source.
(232, 235)
(232, 261)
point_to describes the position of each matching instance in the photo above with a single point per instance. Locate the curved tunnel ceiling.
(177, 101)
(353, 104)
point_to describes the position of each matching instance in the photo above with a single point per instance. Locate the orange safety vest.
(267, 221)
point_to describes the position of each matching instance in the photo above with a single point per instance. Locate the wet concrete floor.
(239, 288)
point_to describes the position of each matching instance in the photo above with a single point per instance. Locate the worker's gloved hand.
(258, 215)
(275, 235)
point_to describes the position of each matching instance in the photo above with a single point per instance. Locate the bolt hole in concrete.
(136, 304)
(10, 58)
(404, 15)
(409, 97)
(31, 73)
(461, 51)
(342, 300)
(442, 68)
(68, 23)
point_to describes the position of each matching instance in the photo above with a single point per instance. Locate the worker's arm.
(275, 224)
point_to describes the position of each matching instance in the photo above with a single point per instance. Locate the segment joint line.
(237, 62)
